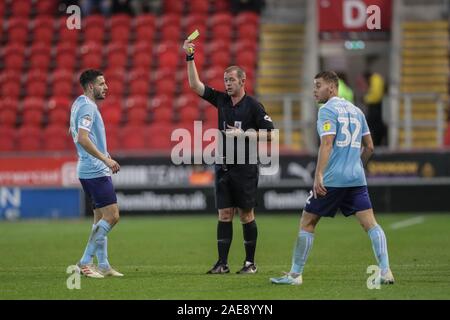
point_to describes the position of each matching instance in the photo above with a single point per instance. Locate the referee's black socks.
(224, 237)
(250, 235)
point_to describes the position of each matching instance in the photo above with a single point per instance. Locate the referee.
(235, 183)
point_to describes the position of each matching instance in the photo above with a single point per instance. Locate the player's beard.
(98, 95)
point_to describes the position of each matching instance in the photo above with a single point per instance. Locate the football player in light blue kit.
(339, 182)
(94, 171)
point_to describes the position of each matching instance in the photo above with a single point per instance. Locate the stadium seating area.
(41, 60)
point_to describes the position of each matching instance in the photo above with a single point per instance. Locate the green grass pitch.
(167, 257)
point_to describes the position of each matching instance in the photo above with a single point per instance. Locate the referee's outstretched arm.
(194, 81)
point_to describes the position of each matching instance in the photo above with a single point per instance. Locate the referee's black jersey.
(247, 114)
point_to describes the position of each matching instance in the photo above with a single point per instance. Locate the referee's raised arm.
(194, 81)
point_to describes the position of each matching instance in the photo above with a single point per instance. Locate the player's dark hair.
(328, 76)
(89, 76)
(240, 72)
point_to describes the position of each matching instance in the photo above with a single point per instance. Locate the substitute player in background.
(94, 167)
(235, 184)
(339, 182)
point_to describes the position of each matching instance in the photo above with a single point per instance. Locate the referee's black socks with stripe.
(250, 235)
(224, 237)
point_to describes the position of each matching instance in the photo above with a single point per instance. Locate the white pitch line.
(407, 222)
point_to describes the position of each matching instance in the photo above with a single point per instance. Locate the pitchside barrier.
(47, 186)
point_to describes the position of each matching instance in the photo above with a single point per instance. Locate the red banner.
(355, 15)
(45, 171)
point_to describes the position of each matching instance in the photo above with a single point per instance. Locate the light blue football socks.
(103, 228)
(301, 251)
(379, 246)
(89, 252)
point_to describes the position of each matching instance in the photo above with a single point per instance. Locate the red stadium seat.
(112, 137)
(145, 21)
(94, 34)
(214, 72)
(161, 101)
(187, 101)
(116, 87)
(36, 89)
(32, 117)
(58, 116)
(7, 138)
(210, 115)
(133, 137)
(173, 7)
(199, 6)
(245, 45)
(29, 138)
(111, 114)
(166, 86)
(159, 136)
(223, 31)
(120, 19)
(8, 117)
(46, 7)
(33, 103)
(8, 103)
(14, 61)
(195, 20)
(138, 74)
(94, 20)
(169, 60)
(162, 115)
(221, 18)
(246, 17)
(220, 59)
(117, 59)
(139, 87)
(248, 31)
(169, 19)
(42, 30)
(66, 61)
(170, 33)
(222, 6)
(62, 88)
(137, 102)
(61, 75)
(59, 102)
(17, 29)
(36, 75)
(189, 114)
(7, 76)
(11, 90)
(66, 34)
(246, 58)
(40, 61)
(92, 61)
(217, 45)
(137, 115)
(142, 60)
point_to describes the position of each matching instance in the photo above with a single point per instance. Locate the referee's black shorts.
(236, 186)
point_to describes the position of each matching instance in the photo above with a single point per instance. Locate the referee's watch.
(190, 57)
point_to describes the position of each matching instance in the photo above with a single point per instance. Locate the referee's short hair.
(89, 76)
(240, 72)
(328, 76)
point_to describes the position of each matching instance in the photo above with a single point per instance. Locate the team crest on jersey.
(267, 118)
(86, 121)
(326, 126)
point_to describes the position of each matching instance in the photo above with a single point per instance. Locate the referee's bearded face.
(233, 84)
(322, 90)
(100, 88)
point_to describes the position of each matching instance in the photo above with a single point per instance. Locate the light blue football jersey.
(85, 114)
(348, 123)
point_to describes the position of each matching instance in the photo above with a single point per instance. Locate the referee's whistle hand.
(188, 47)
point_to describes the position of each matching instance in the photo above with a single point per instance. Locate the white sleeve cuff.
(327, 133)
(366, 133)
(87, 129)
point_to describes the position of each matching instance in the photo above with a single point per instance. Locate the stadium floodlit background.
(393, 59)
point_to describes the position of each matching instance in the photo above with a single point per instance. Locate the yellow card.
(194, 35)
